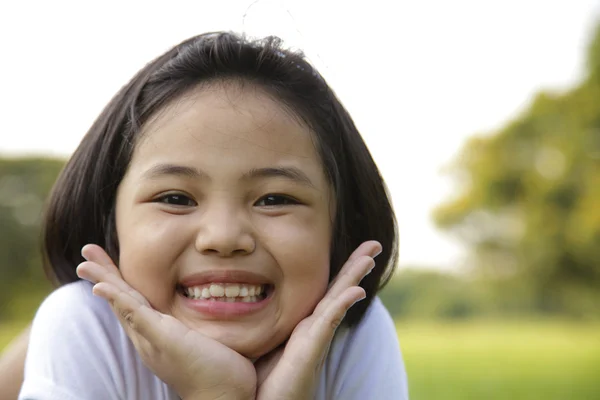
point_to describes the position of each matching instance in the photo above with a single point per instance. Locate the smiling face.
(224, 217)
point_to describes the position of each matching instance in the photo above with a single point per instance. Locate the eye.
(176, 199)
(272, 200)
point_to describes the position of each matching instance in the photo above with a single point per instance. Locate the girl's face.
(224, 217)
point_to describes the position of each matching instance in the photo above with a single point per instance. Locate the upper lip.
(224, 276)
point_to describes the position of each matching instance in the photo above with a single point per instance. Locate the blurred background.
(484, 118)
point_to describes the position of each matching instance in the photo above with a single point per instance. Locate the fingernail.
(83, 255)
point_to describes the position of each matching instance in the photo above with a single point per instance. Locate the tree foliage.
(24, 186)
(529, 201)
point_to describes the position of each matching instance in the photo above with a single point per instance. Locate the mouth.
(227, 292)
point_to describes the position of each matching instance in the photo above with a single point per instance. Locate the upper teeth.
(224, 290)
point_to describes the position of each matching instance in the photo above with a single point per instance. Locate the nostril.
(240, 251)
(224, 239)
(210, 251)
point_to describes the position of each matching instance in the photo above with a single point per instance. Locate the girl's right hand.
(196, 366)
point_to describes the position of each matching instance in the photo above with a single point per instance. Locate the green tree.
(24, 186)
(529, 198)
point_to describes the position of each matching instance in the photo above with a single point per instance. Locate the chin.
(241, 343)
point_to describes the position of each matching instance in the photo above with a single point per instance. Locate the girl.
(235, 214)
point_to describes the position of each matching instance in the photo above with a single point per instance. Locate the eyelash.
(163, 199)
(283, 200)
(287, 200)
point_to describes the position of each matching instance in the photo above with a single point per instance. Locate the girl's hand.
(192, 364)
(291, 372)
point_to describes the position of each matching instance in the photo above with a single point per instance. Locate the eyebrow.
(291, 173)
(159, 170)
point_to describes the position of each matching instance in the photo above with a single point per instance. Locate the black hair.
(81, 209)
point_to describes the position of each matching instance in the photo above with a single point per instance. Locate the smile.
(226, 292)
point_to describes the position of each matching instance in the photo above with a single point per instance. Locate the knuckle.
(336, 322)
(367, 260)
(128, 317)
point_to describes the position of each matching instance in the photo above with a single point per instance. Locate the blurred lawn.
(548, 360)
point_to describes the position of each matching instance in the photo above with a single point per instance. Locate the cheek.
(304, 284)
(148, 252)
(302, 251)
(301, 245)
(144, 237)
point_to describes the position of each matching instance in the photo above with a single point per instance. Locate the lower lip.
(224, 310)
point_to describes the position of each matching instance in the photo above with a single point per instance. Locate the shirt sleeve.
(365, 362)
(71, 355)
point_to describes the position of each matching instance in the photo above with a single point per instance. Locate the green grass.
(548, 360)
(502, 360)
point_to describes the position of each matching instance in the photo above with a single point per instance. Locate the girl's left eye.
(176, 199)
(271, 200)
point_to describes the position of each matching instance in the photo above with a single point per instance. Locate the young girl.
(230, 214)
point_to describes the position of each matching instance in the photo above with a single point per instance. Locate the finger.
(96, 273)
(90, 271)
(122, 308)
(136, 317)
(101, 268)
(95, 253)
(350, 276)
(327, 321)
(370, 248)
(128, 305)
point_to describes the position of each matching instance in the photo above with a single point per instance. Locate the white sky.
(418, 76)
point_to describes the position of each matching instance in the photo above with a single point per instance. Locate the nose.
(224, 231)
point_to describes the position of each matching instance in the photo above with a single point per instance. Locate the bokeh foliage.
(529, 197)
(24, 187)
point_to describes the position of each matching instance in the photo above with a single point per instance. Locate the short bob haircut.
(81, 208)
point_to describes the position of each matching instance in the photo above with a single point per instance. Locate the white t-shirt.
(79, 351)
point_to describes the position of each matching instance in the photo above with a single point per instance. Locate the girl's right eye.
(176, 199)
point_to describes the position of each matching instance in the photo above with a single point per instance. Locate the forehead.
(228, 119)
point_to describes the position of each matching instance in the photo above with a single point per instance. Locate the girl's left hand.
(291, 371)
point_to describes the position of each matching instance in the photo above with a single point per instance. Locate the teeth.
(226, 292)
(247, 299)
(216, 290)
(232, 291)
